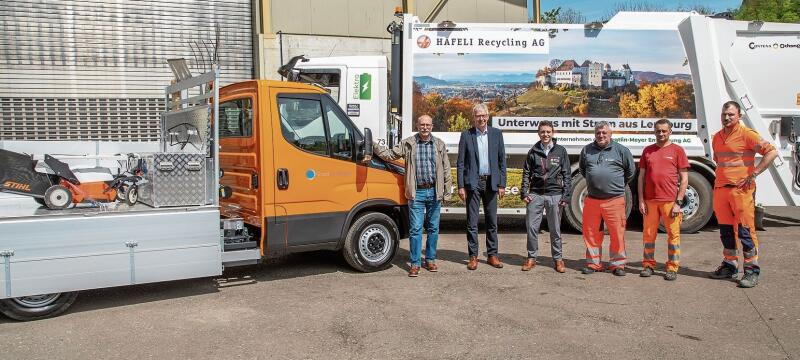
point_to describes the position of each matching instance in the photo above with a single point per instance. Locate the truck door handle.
(254, 180)
(283, 179)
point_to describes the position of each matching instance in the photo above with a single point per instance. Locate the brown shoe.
(529, 264)
(430, 266)
(560, 266)
(473, 263)
(494, 261)
(414, 272)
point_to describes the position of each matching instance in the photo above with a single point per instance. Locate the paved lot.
(313, 306)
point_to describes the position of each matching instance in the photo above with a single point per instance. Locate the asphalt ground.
(312, 306)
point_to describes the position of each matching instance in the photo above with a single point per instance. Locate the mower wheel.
(40, 201)
(131, 195)
(57, 197)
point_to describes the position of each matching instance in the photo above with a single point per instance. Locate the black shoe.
(619, 272)
(670, 276)
(749, 280)
(646, 272)
(587, 271)
(724, 271)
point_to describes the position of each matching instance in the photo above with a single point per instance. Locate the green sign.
(365, 86)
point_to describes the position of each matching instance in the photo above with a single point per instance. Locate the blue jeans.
(423, 210)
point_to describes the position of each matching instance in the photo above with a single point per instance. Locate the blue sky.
(615, 47)
(597, 9)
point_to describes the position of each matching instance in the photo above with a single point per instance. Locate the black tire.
(574, 210)
(121, 192)
(131, 195)
(371, 242)
(57, 197)
(699, 206)
(40, 201)
(37, 307)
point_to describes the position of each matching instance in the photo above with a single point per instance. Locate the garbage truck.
(630, 71)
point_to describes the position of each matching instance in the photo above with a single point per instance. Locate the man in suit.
(481, 178)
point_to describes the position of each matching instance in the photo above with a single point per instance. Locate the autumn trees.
(672, 99)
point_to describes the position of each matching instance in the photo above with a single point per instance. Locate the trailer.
(234, 180)
(629, 71)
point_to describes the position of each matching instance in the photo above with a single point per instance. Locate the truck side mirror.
(365, 151)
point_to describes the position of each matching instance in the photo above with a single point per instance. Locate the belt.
(484, 177)
(424, 186)
(729, 185)
(538, 191)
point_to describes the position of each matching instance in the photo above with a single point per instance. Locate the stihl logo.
(16, 186)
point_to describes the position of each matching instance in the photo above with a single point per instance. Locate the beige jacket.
(407, 150)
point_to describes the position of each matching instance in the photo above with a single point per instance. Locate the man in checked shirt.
(428, 181)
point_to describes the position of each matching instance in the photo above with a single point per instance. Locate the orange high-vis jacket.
(735, 153)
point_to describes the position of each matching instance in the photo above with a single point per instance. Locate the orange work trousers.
(661, 210)
(612, 211)
(735, 210)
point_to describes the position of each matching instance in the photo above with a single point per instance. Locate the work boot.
(646, 272)
(587, 271)
(724, 271)
(670, 276)
(430, 266)
(749, 280)
(619, 272)
(529, 264)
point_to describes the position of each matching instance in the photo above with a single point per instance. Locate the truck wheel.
(574, 210)
(371, 242)
(131, 195)
(57, 197)
(37, 307)
(699, 206)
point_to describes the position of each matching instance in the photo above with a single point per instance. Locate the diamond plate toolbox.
(174, 179)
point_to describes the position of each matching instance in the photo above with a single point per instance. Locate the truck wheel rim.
(692, 203)
(375, 243)
(59, 197)
(36, 301)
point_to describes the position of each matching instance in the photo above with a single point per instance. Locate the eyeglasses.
(482, 116)
(424, 125)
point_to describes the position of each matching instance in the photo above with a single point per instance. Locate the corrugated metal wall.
(96, 70)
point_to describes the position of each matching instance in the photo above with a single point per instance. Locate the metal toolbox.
(174, 179)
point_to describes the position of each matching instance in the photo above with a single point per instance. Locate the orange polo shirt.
(735, 153)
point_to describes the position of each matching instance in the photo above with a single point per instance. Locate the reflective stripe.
(649, 245)
(674, 257)
(648, 256)
(592, 252)
(736, 164)
(618, 255)
(750, 254)
(729, 252)
(674, 247)
(730, 262)
(619, 262)
(736, 153)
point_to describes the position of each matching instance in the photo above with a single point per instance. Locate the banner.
(630, 125)
(522, 42)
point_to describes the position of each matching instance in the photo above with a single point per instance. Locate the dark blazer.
(468, 166)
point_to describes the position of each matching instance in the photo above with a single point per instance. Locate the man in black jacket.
(546, 185)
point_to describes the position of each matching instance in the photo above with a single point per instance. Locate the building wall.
(358, 27)
(96, 70)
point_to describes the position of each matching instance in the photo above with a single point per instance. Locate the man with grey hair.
(427, 182)
(608, 168)
(481, 178)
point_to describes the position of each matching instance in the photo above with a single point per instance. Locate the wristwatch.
(680, 202)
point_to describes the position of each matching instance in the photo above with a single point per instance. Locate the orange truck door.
(317, 178)
(242, 126)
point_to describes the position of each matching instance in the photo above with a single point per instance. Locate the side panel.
(321, 189)
(69, 253)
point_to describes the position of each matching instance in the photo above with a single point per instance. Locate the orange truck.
(293, 172)
(302, 177)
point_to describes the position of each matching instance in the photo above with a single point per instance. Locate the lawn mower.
(53, 184)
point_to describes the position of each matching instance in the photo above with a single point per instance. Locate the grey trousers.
(533, 217)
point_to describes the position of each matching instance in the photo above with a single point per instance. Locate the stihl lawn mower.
(53, 184)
